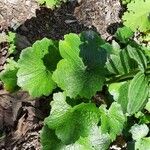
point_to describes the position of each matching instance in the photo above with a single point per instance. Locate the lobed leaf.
(49, 140)
(112, 120)
(82, 66)
(71, 122)
(95, 141)
(35, 73)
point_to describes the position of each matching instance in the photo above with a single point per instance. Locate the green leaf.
(123, 96)
(116, 47)
(147, 107)
(81, 144)
(98, 140)
(145, 119)
(49, 140)
(71, 123)
(11, 38)
(113, 48)
(79, 123)
(114, 90)
(137, 93)
(139, 131)
(143, 144)
(83, 65)
(8, 76)
(126, 1)
(120, 64)
(137, 18)
(51, 3)
(112, 120)
(35, 74)
(59, 110)
(138, 56)
(124, 34)
(120, 93)
(95, 141)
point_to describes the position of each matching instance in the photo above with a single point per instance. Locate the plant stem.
(128, 76)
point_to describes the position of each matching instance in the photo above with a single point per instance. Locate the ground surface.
(20, 118)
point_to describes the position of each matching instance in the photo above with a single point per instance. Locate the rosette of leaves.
(51, 3)
(81, 72)
(36, 65)
(137, 17)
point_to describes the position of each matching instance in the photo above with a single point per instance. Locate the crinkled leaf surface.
(59, 110)
(35, 73)
(95, 141)
(49, 140)
(139, 131)
(81, 72)
(137, 93)
(112, 120)
(71, 122)
(9, 76)
(137, 16)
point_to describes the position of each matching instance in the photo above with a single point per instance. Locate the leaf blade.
(138, 93)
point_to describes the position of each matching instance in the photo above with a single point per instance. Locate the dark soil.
(21, 117)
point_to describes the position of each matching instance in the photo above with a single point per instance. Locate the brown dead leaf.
(6, 111)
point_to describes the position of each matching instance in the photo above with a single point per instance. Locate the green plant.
(81, 65)
(51, 3)
(11, 39)
(136, 18)
(126, 1)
